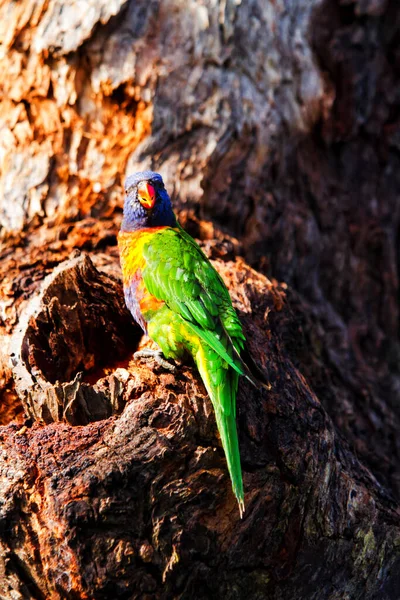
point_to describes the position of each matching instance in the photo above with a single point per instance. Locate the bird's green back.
(199, 315)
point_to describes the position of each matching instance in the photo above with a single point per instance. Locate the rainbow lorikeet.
(181, 302)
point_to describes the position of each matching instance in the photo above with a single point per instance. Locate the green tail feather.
(228, 432)
(223, 397)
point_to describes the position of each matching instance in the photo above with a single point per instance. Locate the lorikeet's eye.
(146, 194)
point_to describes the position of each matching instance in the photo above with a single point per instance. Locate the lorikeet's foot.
(157, 356)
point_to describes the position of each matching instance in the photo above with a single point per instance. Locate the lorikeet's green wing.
(178, 273)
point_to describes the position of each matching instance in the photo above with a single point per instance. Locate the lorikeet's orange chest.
(137, 297)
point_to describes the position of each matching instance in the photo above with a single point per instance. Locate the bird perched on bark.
(181, 302)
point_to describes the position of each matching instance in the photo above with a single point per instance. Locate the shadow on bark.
(276, 126)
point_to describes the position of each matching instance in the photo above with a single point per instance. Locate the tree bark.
(275, 126)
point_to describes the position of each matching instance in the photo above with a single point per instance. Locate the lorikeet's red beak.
(146, 195)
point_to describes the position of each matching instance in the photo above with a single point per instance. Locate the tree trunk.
(276, 128)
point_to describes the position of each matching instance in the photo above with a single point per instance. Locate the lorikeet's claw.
(157, 356)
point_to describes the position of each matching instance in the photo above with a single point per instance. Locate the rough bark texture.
(276, 127)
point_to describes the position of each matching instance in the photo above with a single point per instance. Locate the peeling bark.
(147, 497)
(275, 126)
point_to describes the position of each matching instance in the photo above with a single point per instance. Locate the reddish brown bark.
(275, 126)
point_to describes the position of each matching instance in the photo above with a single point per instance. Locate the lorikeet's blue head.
(147, 203)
